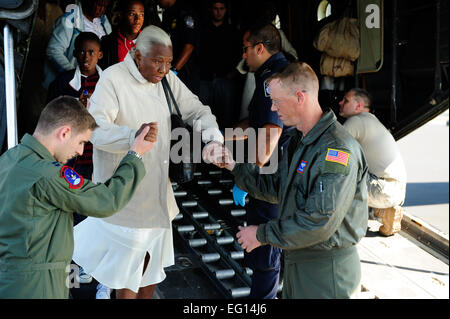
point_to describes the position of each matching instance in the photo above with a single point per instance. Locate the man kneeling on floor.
(387, 173)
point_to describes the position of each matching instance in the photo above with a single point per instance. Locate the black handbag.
(183, 171)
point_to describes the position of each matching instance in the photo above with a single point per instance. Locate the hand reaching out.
(152, 134)
(217, 154)
(146, 138)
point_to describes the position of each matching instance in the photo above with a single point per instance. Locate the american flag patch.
(337, 156)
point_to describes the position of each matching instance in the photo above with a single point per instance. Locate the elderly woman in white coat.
(129, 250)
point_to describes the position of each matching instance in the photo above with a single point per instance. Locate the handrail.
(10, 87)
(22, 12)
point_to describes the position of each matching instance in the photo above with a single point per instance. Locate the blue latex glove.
(239, 196)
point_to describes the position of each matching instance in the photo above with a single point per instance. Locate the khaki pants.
(385, 193)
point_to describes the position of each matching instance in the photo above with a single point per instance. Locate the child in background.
(85, 16)
(80, 83)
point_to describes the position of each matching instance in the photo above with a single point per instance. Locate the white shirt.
(75, 83)
(123, 100)
(95, 26)
(382, 153)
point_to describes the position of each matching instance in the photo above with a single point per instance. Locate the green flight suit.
(36, 217)
(320, 186)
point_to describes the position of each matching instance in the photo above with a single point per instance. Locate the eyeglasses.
(244, 49)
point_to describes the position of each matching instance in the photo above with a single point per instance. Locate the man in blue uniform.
(261, 51)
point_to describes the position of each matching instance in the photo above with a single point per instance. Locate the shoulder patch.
(301, 168)
(74, 179)
(337, 156)
(336, 162)
(189, 22)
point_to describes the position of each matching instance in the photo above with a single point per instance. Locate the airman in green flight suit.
(38, 196)
(320, 186)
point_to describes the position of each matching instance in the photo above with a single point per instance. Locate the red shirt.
(88, 84)
(124, 46)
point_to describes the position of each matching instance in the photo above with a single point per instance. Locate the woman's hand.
(217, 154)
(142, 144)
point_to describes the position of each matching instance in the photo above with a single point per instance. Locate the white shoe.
(82, 277)
(103, 292)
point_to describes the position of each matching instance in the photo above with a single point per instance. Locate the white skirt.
(114, 255)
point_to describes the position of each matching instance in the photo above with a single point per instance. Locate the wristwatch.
(131, 152)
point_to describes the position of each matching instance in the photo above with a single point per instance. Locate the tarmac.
(399, 267)
(425, 152)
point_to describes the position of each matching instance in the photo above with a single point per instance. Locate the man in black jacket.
(180, 21)
(220, 48)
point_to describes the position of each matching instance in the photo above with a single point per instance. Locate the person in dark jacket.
(84, 77)
(261, 51)
(181, 22)
(219, 53)
(122, 39)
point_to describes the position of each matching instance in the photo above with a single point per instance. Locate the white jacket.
(123, 99)
(62, 42)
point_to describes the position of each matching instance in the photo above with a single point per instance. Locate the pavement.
(426, 155)
(398, 267)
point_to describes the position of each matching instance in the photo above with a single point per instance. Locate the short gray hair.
(298, 75)
(148, 37)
